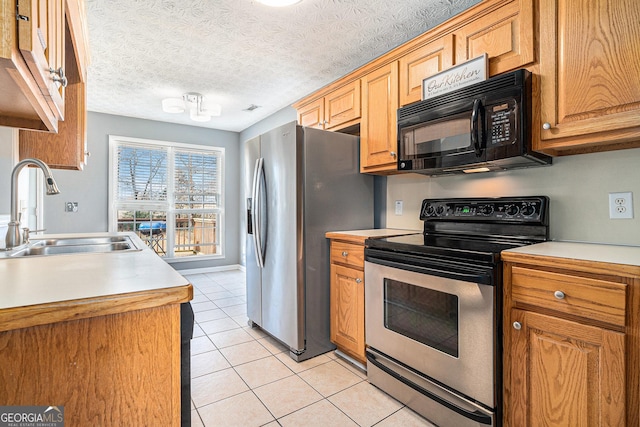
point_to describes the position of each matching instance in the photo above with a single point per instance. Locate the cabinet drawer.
(347, 254)
(590, 298)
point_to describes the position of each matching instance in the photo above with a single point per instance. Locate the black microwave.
(478, 128)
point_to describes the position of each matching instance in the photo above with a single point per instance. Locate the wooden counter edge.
(587, 266)
(42, 314)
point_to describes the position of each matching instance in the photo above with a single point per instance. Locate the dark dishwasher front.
(186, 333)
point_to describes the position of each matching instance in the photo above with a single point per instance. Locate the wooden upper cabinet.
(66, 149)
(312, 114)
(589, 71)
(342, 105)
(378, 128)
(41, 33)
(337, 109)
(505, 34)
(421, 63)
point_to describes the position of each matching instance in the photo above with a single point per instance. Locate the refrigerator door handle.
(257, 212)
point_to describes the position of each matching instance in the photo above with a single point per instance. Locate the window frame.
(169, 205)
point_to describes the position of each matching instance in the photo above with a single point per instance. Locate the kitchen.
(577, 185)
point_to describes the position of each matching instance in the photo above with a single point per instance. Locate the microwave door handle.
(475, 129)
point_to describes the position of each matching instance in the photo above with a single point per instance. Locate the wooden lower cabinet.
(565, 373)
(571, 339)
(347, 310)
(347, 297)
(113, 370)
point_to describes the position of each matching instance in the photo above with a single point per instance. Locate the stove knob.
(485, 210)
(528, 210)
(512, 210)
(430, 211)
(440, 210)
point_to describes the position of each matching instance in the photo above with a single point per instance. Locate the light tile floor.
(243, 377)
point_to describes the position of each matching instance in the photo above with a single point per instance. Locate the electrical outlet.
(621, 205)
(398, 207)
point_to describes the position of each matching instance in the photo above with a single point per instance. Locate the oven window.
(424, 315)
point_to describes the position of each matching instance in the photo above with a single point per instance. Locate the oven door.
(438, 318)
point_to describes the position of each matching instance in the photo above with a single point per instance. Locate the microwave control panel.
(501, 123)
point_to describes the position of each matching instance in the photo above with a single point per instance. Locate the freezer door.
(282, 275)
(253, 271)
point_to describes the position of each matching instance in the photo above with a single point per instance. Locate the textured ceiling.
(239, 52)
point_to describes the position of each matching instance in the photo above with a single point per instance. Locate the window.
(170, 194)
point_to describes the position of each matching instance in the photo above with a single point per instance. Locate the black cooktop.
(475, 229)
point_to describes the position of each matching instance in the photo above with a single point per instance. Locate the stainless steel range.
(433, 306)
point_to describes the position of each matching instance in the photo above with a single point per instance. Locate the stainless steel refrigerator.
(299, 183)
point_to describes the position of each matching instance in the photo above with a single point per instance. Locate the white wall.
(578, 187)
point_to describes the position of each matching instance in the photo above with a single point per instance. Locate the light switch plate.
(398, 207)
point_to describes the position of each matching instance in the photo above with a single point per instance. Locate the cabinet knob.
(546, 126)
(558, 294)
(517, 326)
(345, 253)
(58, 76)
(358, 280)
(392, 154)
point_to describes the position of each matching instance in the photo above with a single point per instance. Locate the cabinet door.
(378, 128)
(424, 62)
(312, 114)
(342, 105)
(347, 310)
(589, 68)
(41, 41)
(505, 34)
(565, 373)
(67, 148)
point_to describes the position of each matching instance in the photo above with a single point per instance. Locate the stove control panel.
(502, 209)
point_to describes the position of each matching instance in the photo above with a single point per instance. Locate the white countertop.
(377, 232)
(26, 281)
(614, 254)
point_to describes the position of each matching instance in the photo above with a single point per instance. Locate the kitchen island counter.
(99, 335)
(46, 289)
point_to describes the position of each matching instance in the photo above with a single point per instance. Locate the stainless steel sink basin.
(75, 245)
(83, 241)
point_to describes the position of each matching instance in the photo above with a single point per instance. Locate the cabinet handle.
(358, 280)
(558, 294)
(392, 154)
(345, 253)
(546, 126)
(517, 326)
(58, 76)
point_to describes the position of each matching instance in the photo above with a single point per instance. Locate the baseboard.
(211, 269)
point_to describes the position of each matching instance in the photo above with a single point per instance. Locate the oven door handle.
(472, 415)
(483, 277)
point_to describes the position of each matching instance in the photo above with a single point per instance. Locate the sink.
(82, 241)
(74, 245)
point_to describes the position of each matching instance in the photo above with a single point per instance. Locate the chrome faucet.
(14, 238)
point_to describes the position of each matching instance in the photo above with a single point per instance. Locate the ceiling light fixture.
(199, 110)
(278, 3)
